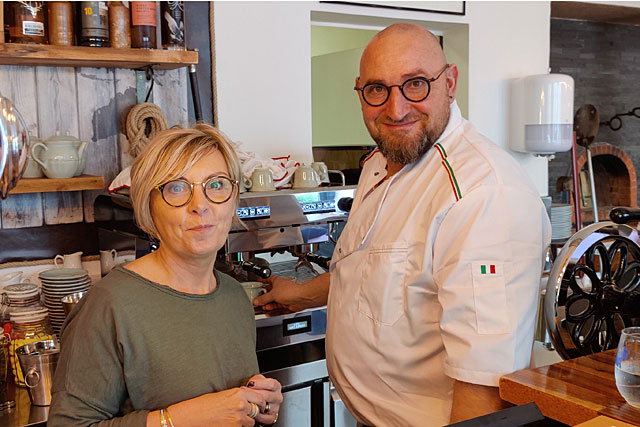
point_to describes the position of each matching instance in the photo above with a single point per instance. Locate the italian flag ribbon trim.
(452, 176)
(488, 269)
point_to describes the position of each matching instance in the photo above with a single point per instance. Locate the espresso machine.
(298, 228)
(290, 233)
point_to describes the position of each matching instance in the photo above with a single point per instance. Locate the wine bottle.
(94, 24)
(143, 24)
(25, 22)
(60, 23)
(172, 25)
(119, 25)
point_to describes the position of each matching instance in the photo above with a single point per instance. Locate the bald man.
(434, 283)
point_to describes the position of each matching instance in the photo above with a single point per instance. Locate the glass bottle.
(60, 23)
(119, 25)
(26, 330)
(25, 22)
(172, 25)
(94, 24)
(143, 24)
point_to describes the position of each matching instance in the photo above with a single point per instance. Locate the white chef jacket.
(435, 277)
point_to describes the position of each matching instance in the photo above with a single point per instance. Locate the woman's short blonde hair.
(169, 156)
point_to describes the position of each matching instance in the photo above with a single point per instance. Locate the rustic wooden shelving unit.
(47, 185)
(97, 57)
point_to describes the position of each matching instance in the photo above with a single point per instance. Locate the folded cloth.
(121, 182)
(282, 168)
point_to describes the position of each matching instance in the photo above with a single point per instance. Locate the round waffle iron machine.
(593, 290)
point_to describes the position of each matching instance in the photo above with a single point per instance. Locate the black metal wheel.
(593, 290)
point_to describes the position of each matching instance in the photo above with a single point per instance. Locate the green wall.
(337, 119)
(332, 39)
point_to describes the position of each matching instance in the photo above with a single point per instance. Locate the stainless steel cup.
(71, 300)
(38, 362)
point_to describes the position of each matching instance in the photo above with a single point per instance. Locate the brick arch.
(603, 148)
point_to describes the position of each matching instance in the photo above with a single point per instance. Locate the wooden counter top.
(572, 391)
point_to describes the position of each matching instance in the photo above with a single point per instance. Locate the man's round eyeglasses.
(178, 192)
(415, 89)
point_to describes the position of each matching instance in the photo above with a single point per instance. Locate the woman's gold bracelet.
(166, 412)
(165, 418)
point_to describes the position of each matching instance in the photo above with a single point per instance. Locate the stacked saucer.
(20, 298)
(560, 221)
(56, 284)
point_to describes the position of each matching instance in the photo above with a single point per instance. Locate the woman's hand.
(230, 407)
(270, 390)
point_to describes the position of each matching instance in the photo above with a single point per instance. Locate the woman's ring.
(266, 408)
(276, 420)
(254, 410)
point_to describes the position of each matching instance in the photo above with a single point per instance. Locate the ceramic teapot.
(61, 156)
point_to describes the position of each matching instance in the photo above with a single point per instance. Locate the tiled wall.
(604, 60)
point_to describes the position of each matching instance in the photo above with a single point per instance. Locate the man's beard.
(403, 149)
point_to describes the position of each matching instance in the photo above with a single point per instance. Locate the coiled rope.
(136, 126)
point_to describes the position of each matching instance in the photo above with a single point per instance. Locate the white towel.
(282, 168)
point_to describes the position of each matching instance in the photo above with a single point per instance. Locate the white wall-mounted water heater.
(542, 114)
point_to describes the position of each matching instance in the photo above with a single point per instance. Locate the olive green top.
(132, 346)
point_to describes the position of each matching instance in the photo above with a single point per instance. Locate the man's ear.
(452, 80)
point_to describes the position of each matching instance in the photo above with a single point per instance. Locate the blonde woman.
(167, 340)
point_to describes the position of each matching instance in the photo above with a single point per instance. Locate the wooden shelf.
(47, 185)
(97, 57)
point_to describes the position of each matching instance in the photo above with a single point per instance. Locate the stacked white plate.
(57, 283)
(561, 221)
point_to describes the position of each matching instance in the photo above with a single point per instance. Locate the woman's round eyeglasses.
(178, 192)
(415, 89)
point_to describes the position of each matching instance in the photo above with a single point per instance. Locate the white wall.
(506, 40)
(263, 75)
(268, 44)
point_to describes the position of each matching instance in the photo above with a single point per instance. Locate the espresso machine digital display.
(253, 212)
(325, 206)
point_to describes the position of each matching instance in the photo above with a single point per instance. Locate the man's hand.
(291, 296)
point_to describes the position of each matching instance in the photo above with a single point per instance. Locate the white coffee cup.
(305, 177)
(253, 289)
(322, 170)
(107, 261)
(261, 180)
(10, 278)
(245, 183)
(73, 260)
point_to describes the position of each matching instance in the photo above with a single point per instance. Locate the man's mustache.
(406, 119)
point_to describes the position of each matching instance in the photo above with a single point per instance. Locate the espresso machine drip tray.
(288, 269)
